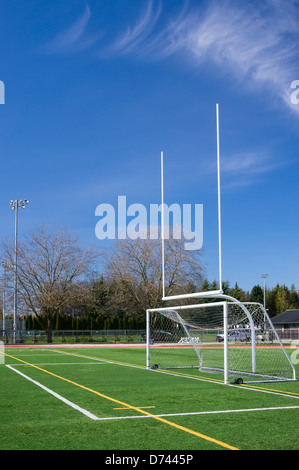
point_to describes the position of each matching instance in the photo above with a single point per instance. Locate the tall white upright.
(162, 225)
(219, 291)
(225, 332)
(219, 199)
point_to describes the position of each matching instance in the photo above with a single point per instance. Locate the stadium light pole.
(16, 205)
(264, 276)
(5, 268)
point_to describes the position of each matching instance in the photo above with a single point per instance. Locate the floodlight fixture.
(19, 204)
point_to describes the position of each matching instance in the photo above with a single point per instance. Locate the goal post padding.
(231, 339)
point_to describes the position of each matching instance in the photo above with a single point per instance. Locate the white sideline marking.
(60, 364)
(200, 413)
(56, 395)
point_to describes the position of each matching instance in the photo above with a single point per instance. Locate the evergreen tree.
(294, 298)
(206, 286)
(282, 299)
(237, 293)
(214, 285)
(226, 287)
(257, 294)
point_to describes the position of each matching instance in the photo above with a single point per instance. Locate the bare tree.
(136, 269)
(50, 262)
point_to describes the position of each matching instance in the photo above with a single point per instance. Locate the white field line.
(61, 364)
(95, 418)
(56, 395)
(196, 413)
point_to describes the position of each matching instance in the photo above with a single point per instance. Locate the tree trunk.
(49, 331)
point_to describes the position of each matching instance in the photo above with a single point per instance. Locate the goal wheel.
(239, 381)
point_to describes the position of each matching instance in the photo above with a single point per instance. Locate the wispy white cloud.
(246, 168)
(247, 162)
(130, 40)
(254, 42)
(73, 38)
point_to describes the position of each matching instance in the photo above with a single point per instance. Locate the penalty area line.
(198, 413)
(56, 395)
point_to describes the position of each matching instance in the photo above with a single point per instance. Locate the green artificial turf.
(168, 411)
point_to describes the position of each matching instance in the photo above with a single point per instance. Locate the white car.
(239, 335)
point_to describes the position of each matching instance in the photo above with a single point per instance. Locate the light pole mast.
(16, 205)
(5, 266)
(264, 276)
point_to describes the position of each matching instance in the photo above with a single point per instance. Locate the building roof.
(289, 316)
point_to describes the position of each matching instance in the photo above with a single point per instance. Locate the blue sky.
(94, 91)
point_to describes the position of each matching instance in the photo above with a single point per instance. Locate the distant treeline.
(278, 299)
(94, 317)
(65, 286)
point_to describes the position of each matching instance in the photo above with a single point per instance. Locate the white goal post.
(220, 335)
(234, 340)
(219, 291)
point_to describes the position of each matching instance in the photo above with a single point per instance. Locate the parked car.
(238, 335)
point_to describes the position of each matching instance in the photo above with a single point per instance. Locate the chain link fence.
(11, 336)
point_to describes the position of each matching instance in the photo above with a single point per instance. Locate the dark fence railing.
(72, 336)
(288, 334)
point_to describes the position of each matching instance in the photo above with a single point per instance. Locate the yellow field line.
(269, 389)
(139, 410)
(184, 374)
(140, 407)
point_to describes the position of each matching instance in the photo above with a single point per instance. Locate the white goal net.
(236, 341)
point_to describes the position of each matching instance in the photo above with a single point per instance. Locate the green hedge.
(101, 322)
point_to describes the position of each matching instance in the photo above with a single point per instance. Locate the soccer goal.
(235, 341)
